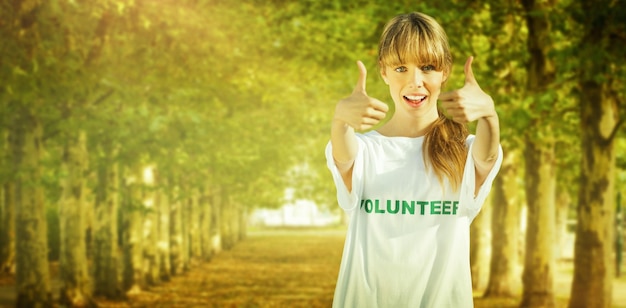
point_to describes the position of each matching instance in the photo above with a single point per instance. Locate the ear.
(446, 74)
(383, 74)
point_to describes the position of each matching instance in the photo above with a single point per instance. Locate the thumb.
(360, 84)
(469, 74)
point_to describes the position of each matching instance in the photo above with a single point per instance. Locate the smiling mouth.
(414, 100)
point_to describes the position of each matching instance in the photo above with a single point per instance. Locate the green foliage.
(240, 95)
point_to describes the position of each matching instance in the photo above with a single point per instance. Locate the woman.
(412, 186)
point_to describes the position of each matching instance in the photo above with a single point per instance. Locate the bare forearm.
(357, 111)
(486, 145)
(344, 145)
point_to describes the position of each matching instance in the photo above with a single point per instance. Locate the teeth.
(415, 98)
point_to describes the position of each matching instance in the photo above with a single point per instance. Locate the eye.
(428, 68)
(400, 69)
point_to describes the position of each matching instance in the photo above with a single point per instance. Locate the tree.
(177, 262)
(106, 251)
(601, 59)
(206, 209)
(20, 33)
(76, 289)
(152, 257)
(506, 57)
(7, 210)
(540, 176)
(133, 238)
(503, 274)
(31, 247)
(162, 202)
(480, 229)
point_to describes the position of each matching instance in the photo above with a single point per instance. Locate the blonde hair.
(418, 38)
(414, 38)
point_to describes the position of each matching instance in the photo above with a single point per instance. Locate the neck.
(405, 126)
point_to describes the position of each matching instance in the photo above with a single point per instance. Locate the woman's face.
(414, 87)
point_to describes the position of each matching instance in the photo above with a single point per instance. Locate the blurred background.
(141, 136)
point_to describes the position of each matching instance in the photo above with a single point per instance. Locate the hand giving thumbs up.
(358, 110)
(468, 103)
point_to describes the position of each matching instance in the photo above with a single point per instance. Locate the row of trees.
(227, 104)
(95, 92)
(572, 60)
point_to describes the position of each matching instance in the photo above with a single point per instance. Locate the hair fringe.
(414, 37)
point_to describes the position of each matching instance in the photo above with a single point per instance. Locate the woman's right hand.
(358, 110)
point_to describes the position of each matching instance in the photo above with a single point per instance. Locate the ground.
(277, 268)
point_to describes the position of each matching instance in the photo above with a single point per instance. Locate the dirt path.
(268, 269)
(286, 268)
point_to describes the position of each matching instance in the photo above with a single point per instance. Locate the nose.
(417, 78)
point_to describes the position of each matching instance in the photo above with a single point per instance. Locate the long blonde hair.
(418, 38)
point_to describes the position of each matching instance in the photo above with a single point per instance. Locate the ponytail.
(445, 149)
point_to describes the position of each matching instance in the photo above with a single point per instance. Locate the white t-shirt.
(407, 243)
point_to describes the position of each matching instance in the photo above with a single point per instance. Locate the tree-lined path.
(137, 136)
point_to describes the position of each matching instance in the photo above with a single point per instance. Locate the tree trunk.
(7, 217)
(194, 221)
(76, 287)
(540, 175)
(151, 229)
(480, 248)
(32, 278)
(243, 223)
(176, 232)
(7, 237)
(562, 211)
(163, 203)
(185, 228)
(106, 248)
(236, 221)
(226, 226)
(216, 233)
(593, 266)
(206, 225)
(539, 261)
(505, 223)
(133, 233)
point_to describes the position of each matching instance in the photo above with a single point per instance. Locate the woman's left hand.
(470, 102)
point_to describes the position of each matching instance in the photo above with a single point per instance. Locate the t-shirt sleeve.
(474, 203)
(347, 200)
